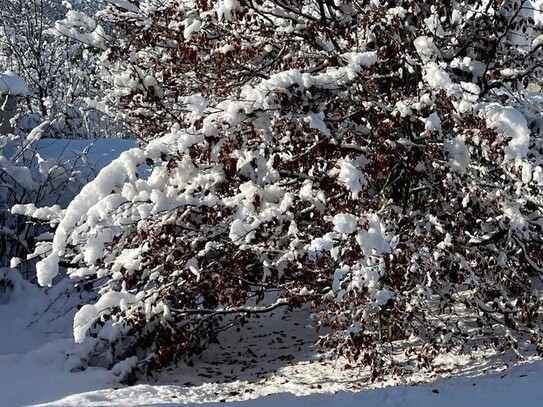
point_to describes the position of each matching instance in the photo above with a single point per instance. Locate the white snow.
(345, 223)
(434, 23)
(517, 221)
(49, 213)
(436, 77)
(365, 59)
(86, 316)
(111, 177)
(432, 122)
(241, 233)
(459, 157)
(316, 121)
(510, 123)
(124, 4)
(83, 28)
(45, 331)
(37, 354)
(191, 28)
(516, 387)
(476, 68)
(225, 9)
(319, 244)
(456, 16)
(13, 84)
(426, 49)
(471, 88)
(527, 171)
(350, 175)
(89, 156)
(373, 241)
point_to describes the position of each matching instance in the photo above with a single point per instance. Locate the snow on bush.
(38, 178)
(368, 159)
(31, 185)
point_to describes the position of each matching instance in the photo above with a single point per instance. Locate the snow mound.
(13, 84)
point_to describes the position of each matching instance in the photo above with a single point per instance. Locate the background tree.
(59, 72)
(378, 161)
(59, 75)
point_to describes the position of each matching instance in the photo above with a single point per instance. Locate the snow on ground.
(89, 156)
(34, 348)
(517, 387)
(12, 84)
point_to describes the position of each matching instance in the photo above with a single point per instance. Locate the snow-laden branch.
(282, 302)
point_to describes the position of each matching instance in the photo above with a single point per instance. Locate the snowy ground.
(88, 156)
(272, 362)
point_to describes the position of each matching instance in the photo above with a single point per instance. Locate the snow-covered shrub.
(377, 160)
(32, 185)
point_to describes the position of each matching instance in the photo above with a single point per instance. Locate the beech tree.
(377, 161)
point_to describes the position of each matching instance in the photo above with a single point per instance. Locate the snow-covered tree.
(379, 161)
(32, 179)
(41, 185)
(59, 72)
(44, 80)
